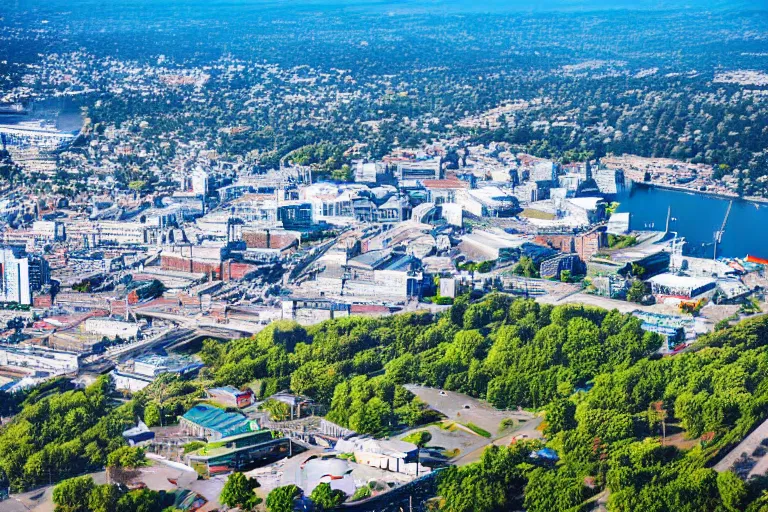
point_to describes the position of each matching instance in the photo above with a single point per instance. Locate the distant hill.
(399, 6)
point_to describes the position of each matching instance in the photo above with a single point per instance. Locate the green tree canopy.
(238, 492)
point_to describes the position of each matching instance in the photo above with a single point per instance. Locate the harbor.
(703, 220)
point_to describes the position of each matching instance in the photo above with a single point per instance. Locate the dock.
(719, 234)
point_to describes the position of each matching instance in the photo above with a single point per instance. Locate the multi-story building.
(95, 233)
(14, 276)
(419, 170)
(39, 272)
(48, 231)
(200, 182)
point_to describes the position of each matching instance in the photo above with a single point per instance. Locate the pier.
(719, 234)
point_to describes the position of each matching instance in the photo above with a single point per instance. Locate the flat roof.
(675, 281)
(587, 203)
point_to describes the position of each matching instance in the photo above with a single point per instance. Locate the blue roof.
(545, 453)
(213, 418)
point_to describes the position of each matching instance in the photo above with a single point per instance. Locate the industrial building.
(502, 246)
(39, 360)
(112, 328)
(489, 201)
(309, 311)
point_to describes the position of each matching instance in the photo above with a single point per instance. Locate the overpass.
(202, 324)
(165, 338)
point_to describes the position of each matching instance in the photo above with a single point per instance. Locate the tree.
(127, 457)
(72, 495)
(420, 439)
(142, 500)
(372, 417)
(733, 491)
(552, 491)
(560, 416)
(526, 267)
(491, 484)
(637, 290)
(278, 411)
(137, 185)
(212, 353)
(281, 499)
(152, 415)
(238, 492)
(326, 498)
(565, 276)
(104, 498)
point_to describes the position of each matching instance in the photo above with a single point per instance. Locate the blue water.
(698, 217)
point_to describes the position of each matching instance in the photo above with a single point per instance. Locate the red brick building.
(585, 245)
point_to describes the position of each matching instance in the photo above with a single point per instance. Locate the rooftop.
(212, 418)
(444, 184)
(675, 281)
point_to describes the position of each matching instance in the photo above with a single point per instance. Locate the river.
(697, 217)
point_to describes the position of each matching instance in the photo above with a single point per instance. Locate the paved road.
(525, 429)
(465, 409)
(595, 300)
(747, 446)
(40, 500)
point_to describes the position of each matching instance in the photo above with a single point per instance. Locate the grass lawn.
(477, 430)
(530, 213)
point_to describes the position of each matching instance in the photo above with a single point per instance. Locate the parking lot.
(465, 409)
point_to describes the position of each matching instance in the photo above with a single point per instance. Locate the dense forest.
(63, 434)
(606, 395)
(609, 436)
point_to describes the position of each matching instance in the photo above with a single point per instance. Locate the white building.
(544, 170)
(130, 382)
(48, 230)
(419, 170)
(14, 276)
(388, 454)
(41, 359)
(683, 287)
(142, 372)
(366, 172)
(112, 328)
(585, 210)
(119, 232)
(200, 182)
(488, 201)
(618, 223)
